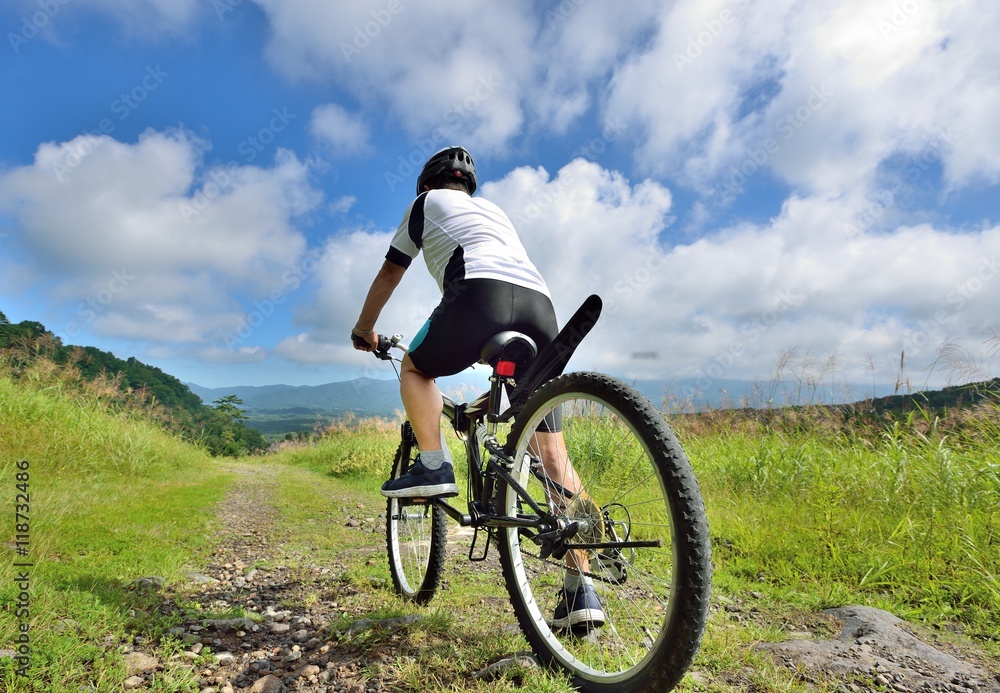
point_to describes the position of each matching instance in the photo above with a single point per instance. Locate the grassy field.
(109, 500)
(806, 512)
(900, 515)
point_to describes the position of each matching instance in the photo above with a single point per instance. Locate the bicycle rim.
(416, 534)
(637, 486)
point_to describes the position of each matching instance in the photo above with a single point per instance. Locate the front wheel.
(415, 536)
(617, 475)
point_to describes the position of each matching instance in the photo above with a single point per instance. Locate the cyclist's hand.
(365, 342)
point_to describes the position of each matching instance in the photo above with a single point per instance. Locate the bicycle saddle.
(509, 346)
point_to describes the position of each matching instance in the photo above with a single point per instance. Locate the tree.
(225, 432)
(231, 407)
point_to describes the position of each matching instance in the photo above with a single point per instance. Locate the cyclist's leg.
(422, 402)
(534, 315)
(432, 474)
(436, 350)
(551, 449)
(579, 605)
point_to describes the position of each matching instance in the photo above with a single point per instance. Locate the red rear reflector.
(505, 368)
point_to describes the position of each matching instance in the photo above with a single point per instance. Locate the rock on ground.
(874, 646)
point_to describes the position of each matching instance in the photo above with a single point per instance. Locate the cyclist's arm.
(385, 282)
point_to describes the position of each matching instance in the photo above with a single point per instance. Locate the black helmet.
(454, 161)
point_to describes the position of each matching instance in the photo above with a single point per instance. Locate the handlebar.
(386, 343)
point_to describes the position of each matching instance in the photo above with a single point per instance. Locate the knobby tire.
(638, 482)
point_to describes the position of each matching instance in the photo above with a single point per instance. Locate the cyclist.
(488, 285)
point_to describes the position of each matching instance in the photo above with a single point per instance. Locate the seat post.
(504, 351)
(499, 378)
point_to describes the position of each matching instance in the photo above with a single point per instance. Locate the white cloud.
(148, 245)
(822, 96)
(223, 355)
(479, 73)
(826, 92)
(443, 69)
(832, 99)
(344, 273)
(837, 89)
(344, 132)
(303, 349)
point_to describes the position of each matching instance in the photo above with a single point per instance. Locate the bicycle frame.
(476, 424)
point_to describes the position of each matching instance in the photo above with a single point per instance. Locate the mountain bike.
(631, 516)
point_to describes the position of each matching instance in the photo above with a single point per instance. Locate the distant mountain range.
(381, 397)
(370, 396)
(362, 396)
(279, 410)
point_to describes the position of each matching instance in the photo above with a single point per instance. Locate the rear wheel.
(635, 497)
(416, 535)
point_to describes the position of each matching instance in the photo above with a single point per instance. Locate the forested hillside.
(29, 350)
(938, 401)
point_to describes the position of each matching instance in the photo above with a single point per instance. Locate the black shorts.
(470, 313)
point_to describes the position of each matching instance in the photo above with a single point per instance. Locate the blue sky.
(210, 186)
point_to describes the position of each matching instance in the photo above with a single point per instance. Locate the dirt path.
(280, 645)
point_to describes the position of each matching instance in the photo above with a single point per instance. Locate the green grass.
(362, 448)
(111, 499)
(903, 518)
(362, 451)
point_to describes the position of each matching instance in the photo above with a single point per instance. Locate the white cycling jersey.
(463, 237)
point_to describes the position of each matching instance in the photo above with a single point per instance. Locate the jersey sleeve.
(409, 238)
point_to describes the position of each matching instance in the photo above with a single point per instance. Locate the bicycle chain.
(560, 564)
